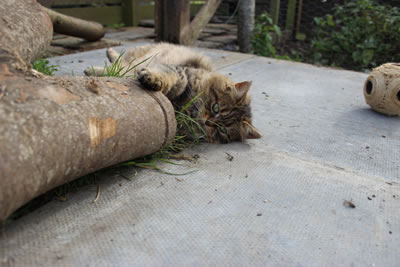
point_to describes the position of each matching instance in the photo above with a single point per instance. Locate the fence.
(110, 12)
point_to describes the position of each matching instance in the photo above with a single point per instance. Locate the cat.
(222, 107)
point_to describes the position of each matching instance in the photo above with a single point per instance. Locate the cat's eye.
(215, 108)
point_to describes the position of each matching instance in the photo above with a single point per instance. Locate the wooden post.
(171, 18)
(274, 10)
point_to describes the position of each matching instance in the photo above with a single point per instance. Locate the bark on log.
(55, 129)
(245, 24)
(25, 31)
(88, 30)
(192, 31)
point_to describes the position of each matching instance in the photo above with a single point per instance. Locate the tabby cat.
(222, 107)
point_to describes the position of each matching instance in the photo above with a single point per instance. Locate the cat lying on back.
(222, 108)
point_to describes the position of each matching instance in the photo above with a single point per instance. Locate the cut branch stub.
(88, 30)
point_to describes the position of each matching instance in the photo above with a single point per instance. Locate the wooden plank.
(145, 10)
(59, 3)
(274, 10)
(136, 10)
(191, 32)
(128, 12)
(104, 15)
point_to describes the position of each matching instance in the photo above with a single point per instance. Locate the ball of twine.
(382, 89)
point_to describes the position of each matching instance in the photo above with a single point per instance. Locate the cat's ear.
(249, 131)
(242, 89)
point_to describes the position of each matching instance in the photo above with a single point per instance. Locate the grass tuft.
(42, 65)
(116, 69)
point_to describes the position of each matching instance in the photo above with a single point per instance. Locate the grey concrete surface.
(279, 202)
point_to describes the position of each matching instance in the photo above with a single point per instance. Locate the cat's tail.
(112, 55)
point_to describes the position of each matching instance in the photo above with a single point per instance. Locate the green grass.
(116, 69)
(42, 65)
(185, 124)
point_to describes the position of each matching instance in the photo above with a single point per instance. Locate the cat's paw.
(94, 71)
(149, 80)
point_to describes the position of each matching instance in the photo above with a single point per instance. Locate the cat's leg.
(94, 71)
(112, 55)
(170, 80)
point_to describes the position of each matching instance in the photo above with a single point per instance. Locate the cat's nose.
(210, 123)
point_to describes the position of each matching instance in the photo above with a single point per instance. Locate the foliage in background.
(266, 40)
(360, 34)
(42, 65)
(265, 35)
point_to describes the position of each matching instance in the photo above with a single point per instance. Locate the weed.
(116, 69)
(42, 65)
(185, 124)
(265, 34)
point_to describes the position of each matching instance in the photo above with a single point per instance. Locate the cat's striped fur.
(223, 107)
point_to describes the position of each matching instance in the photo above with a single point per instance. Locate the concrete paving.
(281, 201)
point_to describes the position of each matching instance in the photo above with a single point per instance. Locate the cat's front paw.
(149, 80)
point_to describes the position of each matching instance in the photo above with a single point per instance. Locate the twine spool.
(382, 89)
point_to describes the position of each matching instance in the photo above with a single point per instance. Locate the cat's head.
(226, 112)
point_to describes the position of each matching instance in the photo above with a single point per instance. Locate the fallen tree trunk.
(88, 30)
(55, 129)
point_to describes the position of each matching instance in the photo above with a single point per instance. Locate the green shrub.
(360, 34)
(265, 34)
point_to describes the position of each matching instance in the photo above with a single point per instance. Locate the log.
(245, 24)
(56, 129)
(88, 30)
(25, 31)
(53, 130)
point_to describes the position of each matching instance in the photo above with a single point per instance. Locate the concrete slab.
(280, 201)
